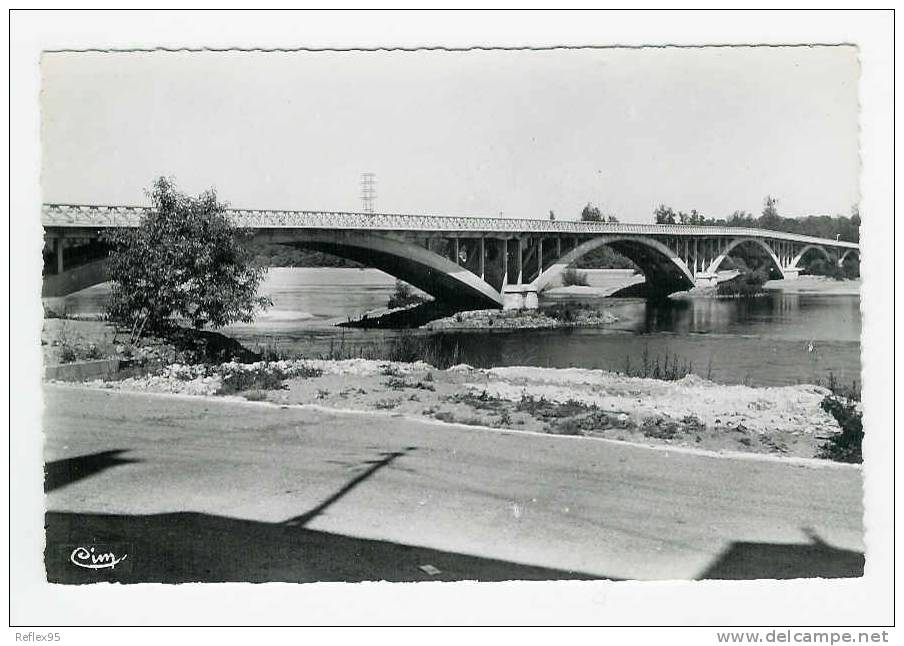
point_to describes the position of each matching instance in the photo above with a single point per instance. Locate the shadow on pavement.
(816, 559)
(60, 473)
(193, 547)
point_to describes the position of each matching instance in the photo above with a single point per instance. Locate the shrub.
(403, 296)
(262, 379)
(572, 276)
(185, 260)
(843, 405)
(823, 267)
(744, 285)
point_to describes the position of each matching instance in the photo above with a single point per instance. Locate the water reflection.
(763, 341)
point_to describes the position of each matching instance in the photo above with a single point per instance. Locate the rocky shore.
(563, 316)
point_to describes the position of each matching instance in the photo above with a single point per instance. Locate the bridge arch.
(808, 248)
(715, 264)
(847, 253)
(665, 272)
(408, 261)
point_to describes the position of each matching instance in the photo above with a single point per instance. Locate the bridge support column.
(519, 297)
(483, 255)
(791, 273)
(58, 252)
(706, 279)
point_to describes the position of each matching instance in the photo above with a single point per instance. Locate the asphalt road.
(211, 490)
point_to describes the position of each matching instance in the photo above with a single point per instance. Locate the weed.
(659, 428)
(483, 401)
(264, 378)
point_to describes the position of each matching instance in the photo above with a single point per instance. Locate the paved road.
(209, 490)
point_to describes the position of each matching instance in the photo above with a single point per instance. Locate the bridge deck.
(95, 216)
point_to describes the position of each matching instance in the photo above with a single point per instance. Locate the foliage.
(572, 276)
(604, 257)
(745, 285)
(847, 445)
(822, 267)
(403, 296)
(184, 261)
(592, 213)
(820, 226)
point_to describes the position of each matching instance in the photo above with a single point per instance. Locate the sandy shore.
(816, 285)
(693, 412)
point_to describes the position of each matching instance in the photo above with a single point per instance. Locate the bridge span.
(468, 262)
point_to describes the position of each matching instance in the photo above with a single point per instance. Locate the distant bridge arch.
(661, 266)
(795, 262)
(847, 253)
(776, 261)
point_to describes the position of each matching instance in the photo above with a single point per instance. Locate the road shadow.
(187, 547)
(816, 559)
(60, 473)
(370, 468)
(192, 547)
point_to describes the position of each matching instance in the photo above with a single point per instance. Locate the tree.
(664, 215)
(770, 219)
(612, 219)
(186, 261)
(552, 215)
(591, 214)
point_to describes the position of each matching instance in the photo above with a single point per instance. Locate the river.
(782, 338)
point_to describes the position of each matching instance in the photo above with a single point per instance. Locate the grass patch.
(667, 367)
(439, 350)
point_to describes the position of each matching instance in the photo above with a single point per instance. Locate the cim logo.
(98, 557)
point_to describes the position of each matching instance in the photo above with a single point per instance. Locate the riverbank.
(816, 285)
(691, 412)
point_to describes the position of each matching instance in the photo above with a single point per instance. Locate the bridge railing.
(70, 215)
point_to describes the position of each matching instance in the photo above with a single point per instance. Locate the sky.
(461, 133)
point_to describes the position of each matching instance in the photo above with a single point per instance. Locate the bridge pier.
(705, 279)
(791, 273)
(520, 297)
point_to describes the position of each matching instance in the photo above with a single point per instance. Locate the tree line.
(821, 226)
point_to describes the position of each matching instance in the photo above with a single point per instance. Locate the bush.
(744, 285)
(823, 267)
(186, 261)
(572, 276)
(843, 405)
(403, 296)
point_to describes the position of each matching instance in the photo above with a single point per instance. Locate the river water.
(782, 338)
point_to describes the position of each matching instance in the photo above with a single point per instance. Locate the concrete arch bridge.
(468, 262)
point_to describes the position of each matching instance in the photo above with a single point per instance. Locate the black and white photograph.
(444, 314)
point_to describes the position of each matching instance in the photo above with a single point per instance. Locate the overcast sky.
(470, 133)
